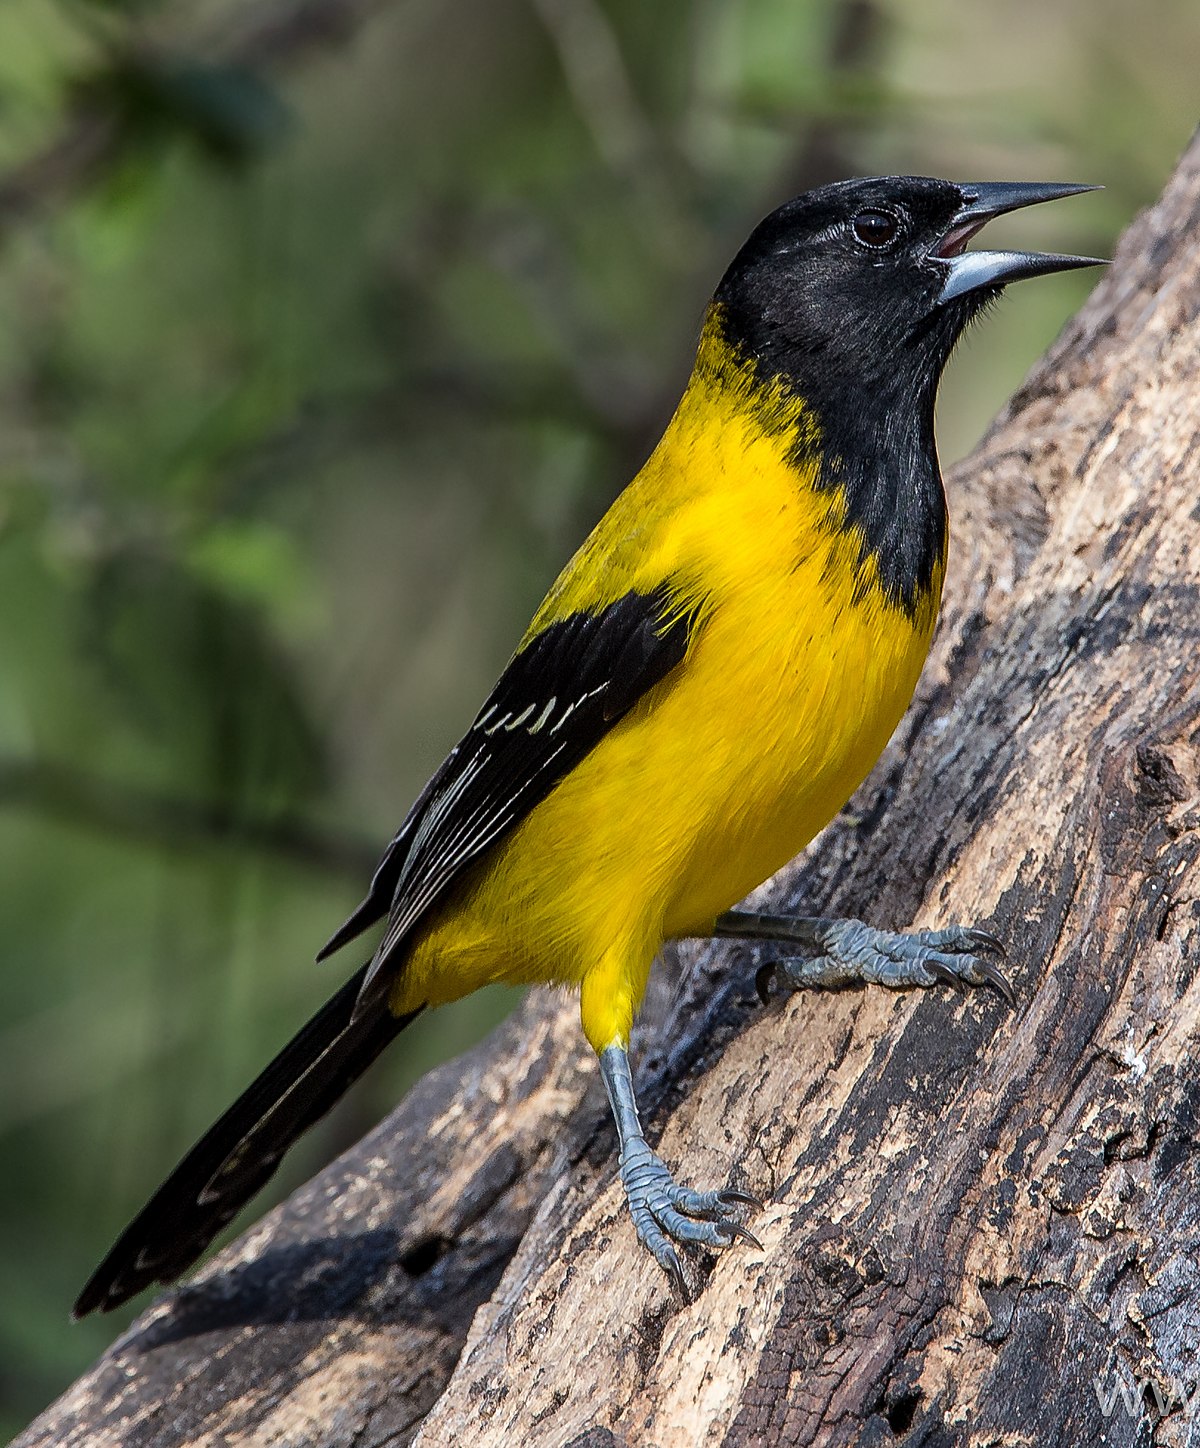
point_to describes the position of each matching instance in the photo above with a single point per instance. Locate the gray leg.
(848, 950)
(661, 1210)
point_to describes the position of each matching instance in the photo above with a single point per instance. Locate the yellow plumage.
(704, 686)
(792, 684)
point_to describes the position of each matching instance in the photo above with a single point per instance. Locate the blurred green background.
(327, 327)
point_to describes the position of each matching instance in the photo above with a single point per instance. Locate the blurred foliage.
(326, 329)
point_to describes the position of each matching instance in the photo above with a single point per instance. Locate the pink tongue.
(955, 240)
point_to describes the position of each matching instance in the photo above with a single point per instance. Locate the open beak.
(968, 271)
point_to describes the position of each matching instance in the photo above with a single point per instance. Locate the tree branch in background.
(164, 822)
(93, 138)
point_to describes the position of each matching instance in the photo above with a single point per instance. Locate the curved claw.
(666, 1214)
(943, 973)
(733, 1198)
(972, 971)
(671, 1265)
(737, 1233)
(996, 978)
(762, 981)
(985, 940)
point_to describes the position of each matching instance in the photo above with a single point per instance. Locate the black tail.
(238, 1155)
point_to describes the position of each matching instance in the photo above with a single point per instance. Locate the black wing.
(556, 700)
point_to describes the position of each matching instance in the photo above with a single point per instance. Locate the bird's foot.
(852, 951)
(665, 1213)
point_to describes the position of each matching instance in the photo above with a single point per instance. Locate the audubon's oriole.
(705, 684)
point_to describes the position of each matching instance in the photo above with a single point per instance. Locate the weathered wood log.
(980, 1223)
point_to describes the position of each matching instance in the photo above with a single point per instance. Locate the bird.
(710, 677)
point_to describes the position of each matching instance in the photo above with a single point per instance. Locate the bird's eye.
(876, 229)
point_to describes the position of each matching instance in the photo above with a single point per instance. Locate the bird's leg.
(662, 1211)
(847, 950)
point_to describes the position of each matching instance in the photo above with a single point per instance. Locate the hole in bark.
(901, 1412)
(423, 1255)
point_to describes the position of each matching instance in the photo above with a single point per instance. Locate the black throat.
(878, 449)
(875, 444)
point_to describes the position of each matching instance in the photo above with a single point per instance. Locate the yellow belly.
(798, 672)
(721, 774)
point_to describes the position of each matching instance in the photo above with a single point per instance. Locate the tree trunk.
(981, 1223)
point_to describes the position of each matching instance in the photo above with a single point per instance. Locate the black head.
(853, 297)
(866, 283)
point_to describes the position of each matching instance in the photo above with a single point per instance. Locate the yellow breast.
(799, 669)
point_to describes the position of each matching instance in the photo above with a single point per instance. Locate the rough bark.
(980, 1222)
